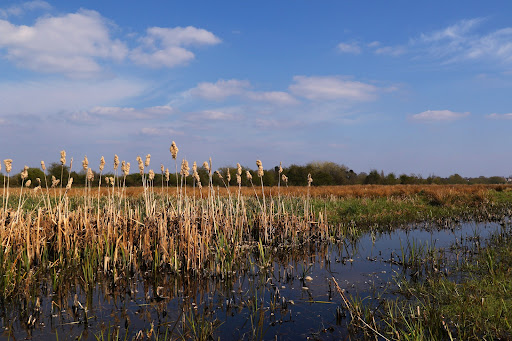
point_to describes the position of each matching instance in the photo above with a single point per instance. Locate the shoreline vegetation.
(190, 226)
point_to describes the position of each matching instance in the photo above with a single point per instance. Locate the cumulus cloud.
(164, 47)
(495, 116)
(438, 116)
(349, 48)
(70, 44)
(318, 88)
(76, 44)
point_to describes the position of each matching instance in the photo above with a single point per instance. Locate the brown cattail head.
(85, 163)
(141, 165)
(43, 166)
(162, 168)
(280, 167)
(238, 169)
(151, 175)
(8, 165)
(310, 179)
(127, 169)
(228, 176)
(70, 182)
(285, 178)
(148, 158)
(196, 176)
(167, 174)
(107, 180)
(238, 179)
(218, 174)
(194, 167)
(55, 182)
(184, 168)
(63, 157)
(112, 181)
(116, 161)
(174, 150)
(24, 173)
(248, 175)
(28, 183)
(102, 164)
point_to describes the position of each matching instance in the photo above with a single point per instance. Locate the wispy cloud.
(20, 9)
(352, 48)
(495, 116)
(318, 88)
(223, 89)
(121, 113)
(438, 116)
(161, 131)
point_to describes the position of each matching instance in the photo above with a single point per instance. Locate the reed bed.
(114, 229)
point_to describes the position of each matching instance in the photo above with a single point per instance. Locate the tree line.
(323, 174)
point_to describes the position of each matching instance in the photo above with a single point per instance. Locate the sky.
(400, 86)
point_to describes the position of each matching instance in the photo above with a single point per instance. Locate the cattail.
(148, 158)
(102, 164)
(174, 150)
(141, 165)
(70, 182)
(194, 167)
(248, 175)
(37, 188)
(90, 175)
(260, 168)
(55, 182)
(107, 180)
(151, 175)
(280, 167)
(162, 168)
(167, 174)
(184, 168)
(206, 166)
(238, 179)
(285, 178)
(127, 169)
(218, 174)
(38, 181)
(199, 184)
(63, 157)
(238, 169)
(71, 164)
(85, 163)
(198, 179)
(228, 176)
(43, 166)
(28, 183)
(310, 179)
(112, 181)
(8, 165)
(24, 174)
(116, 161)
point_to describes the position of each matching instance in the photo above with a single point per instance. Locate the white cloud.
(391, 50)
(319, 88)
(163, 47)
(438, 116)
(214, 115)
(461, 41)
(123, 113)
(50, 97)
(495, 116)
(69, 44)
(18, 10)
(222, 89)
(152, 131)
(349, 48)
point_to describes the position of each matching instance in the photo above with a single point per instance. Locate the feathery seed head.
(151, 175)
(184, 168)
(238, 179)
(248, 175)
(218, 174)
(43, 166)
(310, 179)
(28, 183)
(62, 157)
(112, 181)
(24, 173)
(206, 166)
(239, 169)
(194, 167)
(228, 176)
(38, 181)
(107, 180)
(174, 150)
(280, 167)
(85, 163)
(167, 174)
(55, 182)
(127, 169)
(148, 158)
(90, 175)
(70, 182)
(285, 178)
(161, 168)
(8, 165)
(260, 168)
(102, 164)
(116, 161)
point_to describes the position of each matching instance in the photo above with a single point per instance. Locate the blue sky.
(399, 86)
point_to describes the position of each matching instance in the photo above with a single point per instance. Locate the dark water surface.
(293, 299)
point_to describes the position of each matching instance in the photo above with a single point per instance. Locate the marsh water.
(293, 298)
